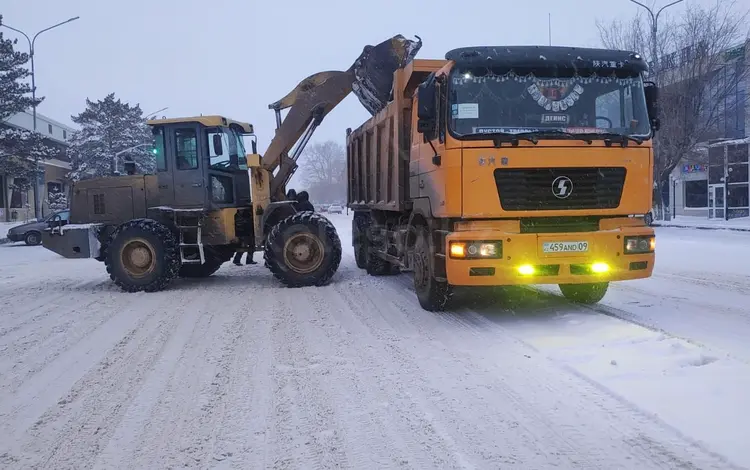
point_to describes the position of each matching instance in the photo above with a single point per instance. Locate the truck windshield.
(487, 101)
(232, 154)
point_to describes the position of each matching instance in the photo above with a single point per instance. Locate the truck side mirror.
(652, 102)
(426, 107)
(218, 146)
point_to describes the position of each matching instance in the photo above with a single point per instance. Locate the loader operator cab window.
(230, 154)
(158, 143)
(186, 150)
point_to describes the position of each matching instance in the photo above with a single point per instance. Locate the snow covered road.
(237, 372)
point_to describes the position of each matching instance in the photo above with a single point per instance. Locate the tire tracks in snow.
(542, 392)
(71, 427)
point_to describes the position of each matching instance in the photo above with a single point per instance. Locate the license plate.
(565, 247)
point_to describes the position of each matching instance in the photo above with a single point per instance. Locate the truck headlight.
(476, 250)
(640, 244)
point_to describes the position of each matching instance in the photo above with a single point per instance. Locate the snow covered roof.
(745, 140)
(208, 121)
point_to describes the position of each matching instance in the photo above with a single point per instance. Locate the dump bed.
(377, 153)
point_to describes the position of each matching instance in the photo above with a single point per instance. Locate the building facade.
(714, 183)
(16, 205)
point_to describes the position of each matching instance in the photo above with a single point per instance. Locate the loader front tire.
(142, 255)
(303, 250)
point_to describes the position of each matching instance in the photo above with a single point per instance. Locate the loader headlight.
(491, 249)
(639, 244)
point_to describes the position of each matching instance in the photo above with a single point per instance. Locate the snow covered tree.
(57, 201)
(20, 149)
(109, 126)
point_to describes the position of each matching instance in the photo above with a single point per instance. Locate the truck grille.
(532, 189)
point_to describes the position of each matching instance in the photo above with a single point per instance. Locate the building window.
(696, 194)
(49, 127)
(54, 187)
(738, 196)
(186, 143)
(65, 134)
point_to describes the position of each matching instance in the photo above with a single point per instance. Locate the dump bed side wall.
(378, 151)
(377, 165)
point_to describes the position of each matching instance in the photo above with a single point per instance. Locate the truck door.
(188, 175)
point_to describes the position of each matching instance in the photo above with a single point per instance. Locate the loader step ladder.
(190, 227)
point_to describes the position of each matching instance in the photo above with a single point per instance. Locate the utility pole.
(654, 74)
(37, 171)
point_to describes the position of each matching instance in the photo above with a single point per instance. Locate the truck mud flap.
(73, 241)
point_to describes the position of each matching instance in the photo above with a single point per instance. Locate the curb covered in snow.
(702, 227)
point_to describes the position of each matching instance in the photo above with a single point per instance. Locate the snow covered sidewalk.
(741, 224)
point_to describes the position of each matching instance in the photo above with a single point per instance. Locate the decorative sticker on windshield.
(584, 130)
(555, 118)
(465, 111)
(502, 130)
(555, 95)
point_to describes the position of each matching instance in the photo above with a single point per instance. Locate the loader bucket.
(374, 68)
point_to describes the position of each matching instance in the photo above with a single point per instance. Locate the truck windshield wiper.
(613, 137)
(499, 137)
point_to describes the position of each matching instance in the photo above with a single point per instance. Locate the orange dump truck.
(505, 166)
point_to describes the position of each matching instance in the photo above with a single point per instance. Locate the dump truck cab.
(519, 165)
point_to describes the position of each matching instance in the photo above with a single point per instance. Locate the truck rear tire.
(303, 250)
(433, 295)
(584, 293)
(142, 255)
(359, 239)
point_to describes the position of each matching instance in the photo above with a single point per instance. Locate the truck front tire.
(142, 255)
(588, 294)
(433, 294)
(303, 250)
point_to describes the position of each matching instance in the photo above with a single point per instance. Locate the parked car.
(335, 209)
(31, 232)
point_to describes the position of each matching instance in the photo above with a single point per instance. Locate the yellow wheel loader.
(209, 198)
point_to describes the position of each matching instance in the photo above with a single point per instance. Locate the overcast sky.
(234, 57)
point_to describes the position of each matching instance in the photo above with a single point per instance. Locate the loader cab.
(201, 163)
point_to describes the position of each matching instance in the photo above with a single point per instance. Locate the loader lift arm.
(370, 77)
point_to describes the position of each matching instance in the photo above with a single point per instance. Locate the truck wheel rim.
(137, 257)
(303, 253)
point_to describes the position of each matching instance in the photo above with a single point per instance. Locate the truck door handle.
(421, 184)
(163, 186)
(197, 185)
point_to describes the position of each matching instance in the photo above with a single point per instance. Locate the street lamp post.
(654, 73)
(32, 42)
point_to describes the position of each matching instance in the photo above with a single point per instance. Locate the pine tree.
(109, 126)
(19, 149)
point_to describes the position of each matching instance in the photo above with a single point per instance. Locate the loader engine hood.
(374, 69)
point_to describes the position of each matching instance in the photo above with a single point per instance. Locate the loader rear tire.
(142, 255)
(303, 250)
(433, 294)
